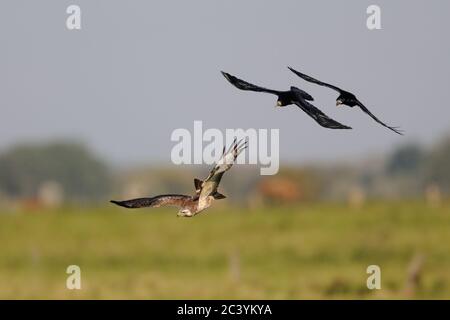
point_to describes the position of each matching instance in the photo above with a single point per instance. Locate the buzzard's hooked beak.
(338, 102)
(278, 104)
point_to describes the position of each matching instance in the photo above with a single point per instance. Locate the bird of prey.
(293, 96)
(205, 191)
(345, 98)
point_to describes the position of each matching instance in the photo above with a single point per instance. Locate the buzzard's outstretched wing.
(244, 85)
(158, 201)
(209, 186)
(313, 80)
(363, 108)
(226, 161)
(315, 113)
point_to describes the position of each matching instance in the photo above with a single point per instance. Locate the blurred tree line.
(423, 166)
(81, 175)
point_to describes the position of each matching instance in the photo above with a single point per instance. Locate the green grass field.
(315, 251)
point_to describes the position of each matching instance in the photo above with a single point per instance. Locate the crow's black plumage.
(293, 96)
(345, 98)
(205, 191)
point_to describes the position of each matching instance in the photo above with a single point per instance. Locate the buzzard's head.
(184, 213)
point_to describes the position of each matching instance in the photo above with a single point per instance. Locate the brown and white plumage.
(206, 191)
(345, 98)
(208, 188)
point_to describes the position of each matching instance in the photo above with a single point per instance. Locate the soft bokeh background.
(87, 115)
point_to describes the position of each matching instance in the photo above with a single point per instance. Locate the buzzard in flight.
(205, 191)
(345, 98)
(293, 96)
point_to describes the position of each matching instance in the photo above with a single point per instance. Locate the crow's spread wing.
(363, 108)
(244, 85)
(315, 113)
(313, 80)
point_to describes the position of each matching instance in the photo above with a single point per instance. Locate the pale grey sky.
(140, 69)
